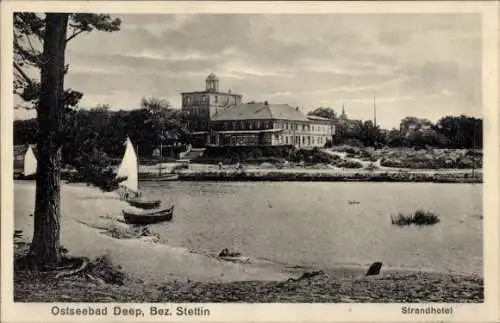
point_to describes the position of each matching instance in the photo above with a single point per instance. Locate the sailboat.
(129, 188)
(30, 164)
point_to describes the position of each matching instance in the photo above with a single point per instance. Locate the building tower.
(212, 83)
(343, 115)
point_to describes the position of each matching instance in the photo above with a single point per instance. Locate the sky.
(424, 65)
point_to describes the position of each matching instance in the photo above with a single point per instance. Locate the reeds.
(419, 217)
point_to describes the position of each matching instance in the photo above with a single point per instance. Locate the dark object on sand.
(148, 217)
(233, 256)
(374, 269)
(226, 253)
(307, 275)
(143, 204)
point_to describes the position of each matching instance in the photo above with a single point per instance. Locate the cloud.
(427, 64)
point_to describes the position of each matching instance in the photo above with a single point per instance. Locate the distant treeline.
(99, 134)
(449, 132)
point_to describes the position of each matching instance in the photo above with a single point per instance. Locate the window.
(234, 125)
(216, 99)
(250, 124)
(242, 125)
(204, 99)
(286, 140)
(225, 125)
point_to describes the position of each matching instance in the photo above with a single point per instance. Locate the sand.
(84, 208)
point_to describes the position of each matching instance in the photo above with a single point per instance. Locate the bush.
(348, 164)
(418, 217)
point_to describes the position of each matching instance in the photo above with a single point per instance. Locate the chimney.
(266, 103)
(297, 108)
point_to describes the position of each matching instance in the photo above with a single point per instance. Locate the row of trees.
(449, 132)
(101, 131)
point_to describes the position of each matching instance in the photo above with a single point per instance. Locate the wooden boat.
(143, 204)
(148, 217)
(130, 186)
(169, 177)
(157, 178)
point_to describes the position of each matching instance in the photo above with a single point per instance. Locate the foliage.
(235, 154)
(29, 29)
(448, 132)
(419, 217)
(324, 112)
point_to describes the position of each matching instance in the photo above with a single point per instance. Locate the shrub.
(371, 167)
(419, 217)
(348, 164)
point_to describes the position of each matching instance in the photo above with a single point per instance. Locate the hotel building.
(221, 119)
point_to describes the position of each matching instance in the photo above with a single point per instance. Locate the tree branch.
(74, 35)
(23, 74)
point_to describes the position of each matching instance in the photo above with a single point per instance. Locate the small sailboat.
(29, 164)
(129, 188)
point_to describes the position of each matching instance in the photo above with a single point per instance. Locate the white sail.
(128, 168)
(30, 162)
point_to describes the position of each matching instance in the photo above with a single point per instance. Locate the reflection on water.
(312, 223)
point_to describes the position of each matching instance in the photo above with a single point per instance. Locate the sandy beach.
(159, 272)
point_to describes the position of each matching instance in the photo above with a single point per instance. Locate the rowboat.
(143, 204)
(148, 217)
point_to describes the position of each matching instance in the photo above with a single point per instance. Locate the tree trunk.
(45, 248)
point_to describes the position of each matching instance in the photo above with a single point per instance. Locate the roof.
(259, 111)
(310, 117)
(211, 92)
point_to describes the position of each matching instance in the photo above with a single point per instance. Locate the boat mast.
(473, 150)
(161, 152)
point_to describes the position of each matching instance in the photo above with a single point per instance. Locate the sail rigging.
(128, 168)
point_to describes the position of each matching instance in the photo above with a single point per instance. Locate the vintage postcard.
(249, 161)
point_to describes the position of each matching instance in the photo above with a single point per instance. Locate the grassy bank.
(430, 158)
(275, 175)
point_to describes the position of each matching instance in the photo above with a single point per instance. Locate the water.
(312, 223)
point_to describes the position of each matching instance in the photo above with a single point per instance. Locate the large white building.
(220, 118)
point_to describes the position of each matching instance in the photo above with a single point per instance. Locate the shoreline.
(177, 275)
(327, 176)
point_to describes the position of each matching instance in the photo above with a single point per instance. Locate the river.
(312, 223)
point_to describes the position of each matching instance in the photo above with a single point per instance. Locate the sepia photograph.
(189, 157)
